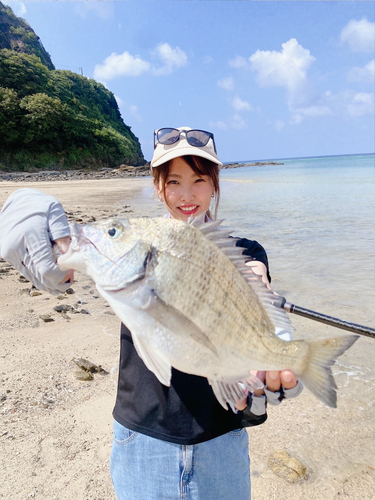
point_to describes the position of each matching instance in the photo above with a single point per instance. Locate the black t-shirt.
(187, 412)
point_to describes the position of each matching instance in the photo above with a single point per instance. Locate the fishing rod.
(323, 318)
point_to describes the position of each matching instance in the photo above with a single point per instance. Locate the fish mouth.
(77, 237)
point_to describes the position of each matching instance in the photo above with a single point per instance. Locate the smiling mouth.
(188, 210)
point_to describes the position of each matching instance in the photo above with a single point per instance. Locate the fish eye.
(115, 231)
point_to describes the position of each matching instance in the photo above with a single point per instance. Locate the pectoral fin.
(172, 319)
(153, 359)
(175, 321)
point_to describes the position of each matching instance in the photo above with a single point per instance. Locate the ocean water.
(316, 219)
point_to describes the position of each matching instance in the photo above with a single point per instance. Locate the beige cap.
(164, 153)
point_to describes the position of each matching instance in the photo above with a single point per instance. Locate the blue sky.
(271, 79)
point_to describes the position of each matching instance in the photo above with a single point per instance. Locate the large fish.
(190, 301)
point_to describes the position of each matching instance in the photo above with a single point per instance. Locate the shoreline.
(122, 172)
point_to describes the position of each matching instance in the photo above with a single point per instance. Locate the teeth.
(188, 209)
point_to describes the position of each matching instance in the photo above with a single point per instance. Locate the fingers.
(241, 404)
(40, 259)
(273, 381)
(288, 379)
(285, 378)
(262, 376)
(63, 246)
(69, 277)
(63, 243)
(259, 269)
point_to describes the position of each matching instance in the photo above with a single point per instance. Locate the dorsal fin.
(220, 236)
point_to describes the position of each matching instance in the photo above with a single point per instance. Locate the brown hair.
(200, 166)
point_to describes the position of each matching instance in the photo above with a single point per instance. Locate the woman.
(188, 444)
(169, 442)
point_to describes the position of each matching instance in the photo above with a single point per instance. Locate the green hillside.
(51, 118)
(16, 34)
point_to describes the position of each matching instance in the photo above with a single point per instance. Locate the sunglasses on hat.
(197, 138)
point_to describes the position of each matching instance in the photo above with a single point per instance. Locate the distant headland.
(252, 164)
(99, 173)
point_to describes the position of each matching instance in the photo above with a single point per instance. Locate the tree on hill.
(17, 35)
(57, 119)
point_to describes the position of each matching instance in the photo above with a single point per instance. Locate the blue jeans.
(145, 468)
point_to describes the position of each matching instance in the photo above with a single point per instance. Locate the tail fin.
(318, 375)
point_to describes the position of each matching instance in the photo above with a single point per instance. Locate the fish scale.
(191, 303)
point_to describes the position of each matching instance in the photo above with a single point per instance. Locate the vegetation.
(51, 118)
(16, 34)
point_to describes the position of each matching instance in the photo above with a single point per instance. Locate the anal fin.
(232, 392)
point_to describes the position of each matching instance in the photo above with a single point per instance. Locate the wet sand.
(55, 430)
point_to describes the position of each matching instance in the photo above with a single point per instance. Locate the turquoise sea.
(316, 219)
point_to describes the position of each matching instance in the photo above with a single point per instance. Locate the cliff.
(16, 34)
(54, 119)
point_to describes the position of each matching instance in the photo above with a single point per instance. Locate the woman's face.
(186, 192)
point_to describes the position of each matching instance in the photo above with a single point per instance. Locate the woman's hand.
(30, 221)
(63, 245)
(274, 380)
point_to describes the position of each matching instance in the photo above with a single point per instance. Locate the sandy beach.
(56, 430)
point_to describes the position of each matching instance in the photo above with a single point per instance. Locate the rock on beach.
(70, 175)
(123, 171)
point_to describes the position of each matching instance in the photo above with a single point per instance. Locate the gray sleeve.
(259, 403)
(29, 222)
(275, 398)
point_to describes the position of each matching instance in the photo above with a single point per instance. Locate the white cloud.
(360, 35)
(103, 10)
(366, 74)
(128, 65)
(344, 104)
(221, 125)
(19, 8)
(287, 68)
(309, 112)
(361, 104)
(279, 125)
(313, 111)
(234, 122)
(172, 59)
(238, 122)
(226, 83)
(239, 62)
(120, 65)
(240, 105)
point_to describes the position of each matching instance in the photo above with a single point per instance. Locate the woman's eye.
(172, 182)
(200, 180)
